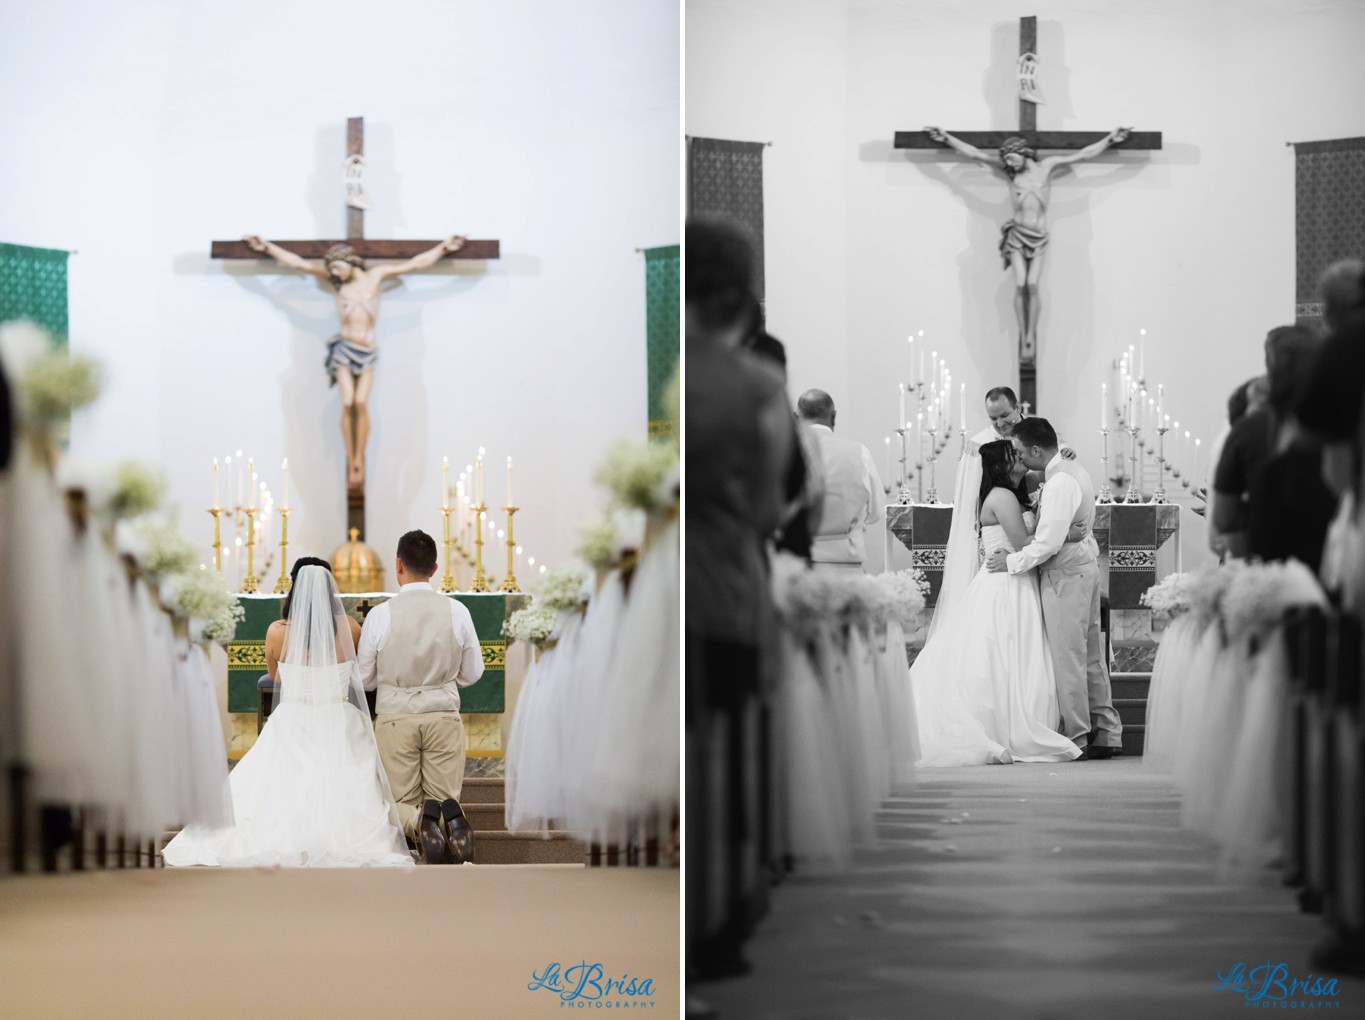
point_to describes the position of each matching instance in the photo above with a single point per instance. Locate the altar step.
(1129, 691)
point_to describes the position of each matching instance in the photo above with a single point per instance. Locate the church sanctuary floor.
(1026, 892)
(442, 941)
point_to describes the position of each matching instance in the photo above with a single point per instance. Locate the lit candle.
(912, 369)
(1104, 404)
(962, 404)
(947, 400)
(509, 482)
(251, 469)
(920, 377)
(934, 368)
(902, 417)
(1198, 457)
(478, 478)
(445, 483)
(215, 483)
(284, 484)
(1159, 389)
(887, 465)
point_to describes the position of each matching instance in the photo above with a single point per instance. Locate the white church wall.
(1194, 243)
(138, 132)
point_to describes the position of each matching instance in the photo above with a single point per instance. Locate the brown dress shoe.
(431, 840)
(459, 833)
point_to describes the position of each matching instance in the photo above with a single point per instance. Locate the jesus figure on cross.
(351, 354)
(1024, 237)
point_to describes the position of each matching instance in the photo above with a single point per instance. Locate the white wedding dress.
(983, 685)
(310, 792)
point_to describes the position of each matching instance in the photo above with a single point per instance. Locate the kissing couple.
(1014, 667)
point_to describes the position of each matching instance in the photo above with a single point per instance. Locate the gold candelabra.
(217, 512)
(283, 585)
(250, 585)
(447, 579)
(480, 582)
(509, 583)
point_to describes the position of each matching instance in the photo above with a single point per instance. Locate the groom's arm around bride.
(416, 651)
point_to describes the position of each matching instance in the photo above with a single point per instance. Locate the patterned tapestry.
(727, 178)
(1329, 215)
(33, 286)
(663, 286)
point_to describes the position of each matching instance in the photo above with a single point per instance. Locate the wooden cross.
(1028, 130)
(366, 249)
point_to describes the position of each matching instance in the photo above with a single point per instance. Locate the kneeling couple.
(323, 786)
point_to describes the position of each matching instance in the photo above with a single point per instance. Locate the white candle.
(902, 417)
(509, 482)
(445, 483)
(920, 377)
(887, 463)
(1159, 389)
(919, 436)
(251, 469)
(962, 404)
(947, 400)
(1104, 404)
(478, 478)
(912, 370)
(215, 483)
(284, 483)
(1198, 457)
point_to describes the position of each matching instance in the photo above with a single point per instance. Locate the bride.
(311, 792)
(983, 684)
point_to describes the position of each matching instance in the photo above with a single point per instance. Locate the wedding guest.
(853, 492)
(1251, 443)
(1239, 403)
(1330, 407)
(1291, 506)
(740, 441)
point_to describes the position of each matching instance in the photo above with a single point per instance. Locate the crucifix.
(352, 353)
(1015, 155)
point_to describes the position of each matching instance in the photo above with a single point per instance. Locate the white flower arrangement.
(164, 550)
(201, 595)
(1256, 597)
(1207, 588)
(534, 624)
(562, 587)
(909, 593)
(871, 603)
(800, 594)
(137, 489)
(1170, 596)
(599, 542)
(637, 473)
(49, 382)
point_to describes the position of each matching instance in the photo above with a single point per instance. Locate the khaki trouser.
(424, 758)
(1071, 613)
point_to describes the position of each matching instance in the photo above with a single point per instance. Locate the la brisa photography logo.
(588, 986)
(1272, 986)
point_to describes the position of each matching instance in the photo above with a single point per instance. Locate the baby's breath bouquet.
(800, 594)
(599, 542)
(1257, 597)
(203, 597)
(49, 382)
(1170, 596)
(1208, 586)
(562, 587)
(638, 473)
(164, 549)
(871, 604)
(908, 591)
(534, 624)
(137, 489)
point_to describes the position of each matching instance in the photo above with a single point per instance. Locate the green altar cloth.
(246, 652)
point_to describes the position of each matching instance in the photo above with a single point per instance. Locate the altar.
(482, 705)
(1139, 544)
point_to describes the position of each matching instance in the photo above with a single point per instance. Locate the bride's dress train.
(310, 792)
(983, 685)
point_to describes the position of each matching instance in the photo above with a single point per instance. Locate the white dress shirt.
(853, 499)
(375, 634)
(1060, 506)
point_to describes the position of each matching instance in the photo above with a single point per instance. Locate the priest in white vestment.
(853, 491)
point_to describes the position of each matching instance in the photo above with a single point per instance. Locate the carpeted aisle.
(1026, 892)
(298, 944)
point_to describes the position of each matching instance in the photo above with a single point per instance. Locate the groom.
(1070, 582)
(417, 650)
